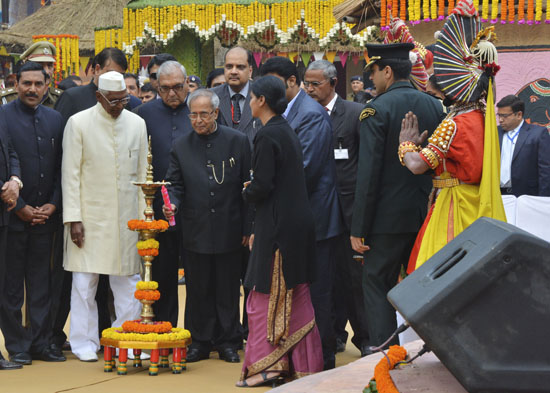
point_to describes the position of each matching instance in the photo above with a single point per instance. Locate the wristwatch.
(18, 181)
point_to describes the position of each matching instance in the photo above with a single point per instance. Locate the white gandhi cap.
(111, 81)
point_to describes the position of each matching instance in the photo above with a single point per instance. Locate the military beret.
(41, 51)
(194, 79)
(388, 52)
(356, 78)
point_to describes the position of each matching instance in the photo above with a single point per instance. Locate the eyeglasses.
(202, 115)
(504, 115)
(315, 83)
(124, 101)
(153, 76)
(177, 88)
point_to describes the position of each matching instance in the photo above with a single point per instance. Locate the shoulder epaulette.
(7, 92)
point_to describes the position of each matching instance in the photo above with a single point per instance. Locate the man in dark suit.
(320, 80)
(235, 93)
(73, 101)
(525, 151)
(207, 170)
(235, 112)
(312, 124)
(9, 170)
(390, 202)
(167, 119)
(36, 132)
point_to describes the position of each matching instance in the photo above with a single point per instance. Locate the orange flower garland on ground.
(147, 294)
(138, 327)
(382, 379)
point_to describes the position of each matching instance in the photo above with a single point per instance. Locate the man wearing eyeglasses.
(525, 151)
(105, 150)
(207, 170)
(167, 119)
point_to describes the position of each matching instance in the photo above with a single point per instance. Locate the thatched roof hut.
(78, 17)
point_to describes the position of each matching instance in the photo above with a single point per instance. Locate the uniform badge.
(366, 113)
(47, 51)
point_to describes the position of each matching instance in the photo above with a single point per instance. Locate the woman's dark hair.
(212, 75)
(273, 89)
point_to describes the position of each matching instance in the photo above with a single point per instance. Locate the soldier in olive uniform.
(357, 85)
(390, 202)
(42, 52)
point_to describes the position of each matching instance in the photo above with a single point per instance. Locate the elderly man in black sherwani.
(207, 170)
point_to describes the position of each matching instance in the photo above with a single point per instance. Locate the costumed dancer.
(463, 151)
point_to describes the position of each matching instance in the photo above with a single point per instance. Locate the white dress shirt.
(509, 140)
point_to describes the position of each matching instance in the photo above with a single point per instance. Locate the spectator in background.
(194, 83)
(215, 78)
(357, 85)
(525, 151)
(132, 84)
(10, 81)
(154, 65)
(147, 93)
(68, 82)
(362, 97)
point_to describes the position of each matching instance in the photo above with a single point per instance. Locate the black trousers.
(321, 297)
(348, 295)
(244, 266)
(212, 282)
(28, 256)
(165, 272)
(3, 241)
(388, 252)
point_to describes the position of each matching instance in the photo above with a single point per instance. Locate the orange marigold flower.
(160, 225)
(149, 251)
(147, 294)
(138, 327)
(384, 383)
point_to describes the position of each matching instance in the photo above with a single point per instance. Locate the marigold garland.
(138, 327)
(440, 9)
(494, 11)
(511, 11)
(530, 11)
(149, 243)
(147, 294)
(175, 334)
(145, 285)
(521, 12)
(538, 11)
(148, 252)
(384, 383)
(159, 225)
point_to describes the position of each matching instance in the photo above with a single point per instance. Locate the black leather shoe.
(66, 346)
(47, 355)
(195, 354)
(229, 355)
(22, 358)
(340, 345)
(5, 365)
(365, 350)
(56, 350)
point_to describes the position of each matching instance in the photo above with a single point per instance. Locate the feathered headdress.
(465, 57)
(399, 33)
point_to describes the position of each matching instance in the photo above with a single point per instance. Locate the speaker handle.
(448, 264)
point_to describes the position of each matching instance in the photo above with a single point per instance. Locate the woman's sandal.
(275, 381)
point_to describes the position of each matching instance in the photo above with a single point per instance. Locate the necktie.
(236, 108)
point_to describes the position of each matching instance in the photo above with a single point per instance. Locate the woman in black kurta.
(283, 340)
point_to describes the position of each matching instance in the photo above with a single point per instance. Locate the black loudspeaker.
(482, 305)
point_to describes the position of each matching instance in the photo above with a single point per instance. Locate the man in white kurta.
(104, 151)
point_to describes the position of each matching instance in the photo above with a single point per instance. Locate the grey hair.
(214, 99)
(329, 70)
(170, 66)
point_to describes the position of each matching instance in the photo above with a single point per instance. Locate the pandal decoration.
(382, 382)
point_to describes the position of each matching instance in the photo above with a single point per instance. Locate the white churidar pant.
(84, 333)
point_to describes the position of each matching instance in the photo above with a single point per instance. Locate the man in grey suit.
(235, 93)
(321, 79)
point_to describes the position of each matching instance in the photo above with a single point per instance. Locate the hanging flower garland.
(521, 12)
(538, 12)
(530, 12)
(511, 11)
(485, 11)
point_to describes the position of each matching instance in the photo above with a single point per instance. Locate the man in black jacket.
(9, 170)
(207, 170)
(36, 133)
(167, 119)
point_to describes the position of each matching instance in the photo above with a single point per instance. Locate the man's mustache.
(31, 95)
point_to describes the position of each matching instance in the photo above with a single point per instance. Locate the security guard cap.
(388, 52)
(41, 51)
(194, 79)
